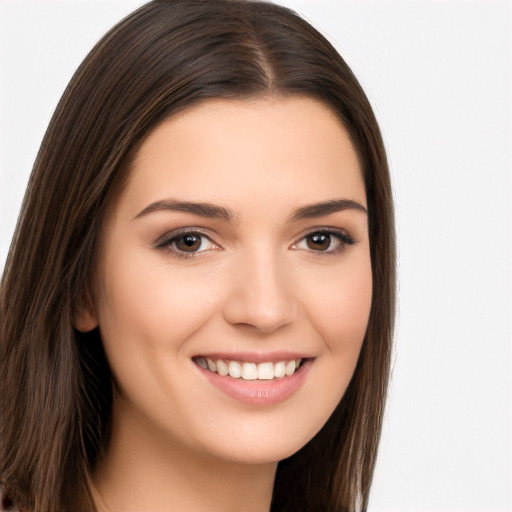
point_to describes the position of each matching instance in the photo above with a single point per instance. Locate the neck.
(145, 470)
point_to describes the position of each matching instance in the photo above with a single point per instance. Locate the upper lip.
(255, 357)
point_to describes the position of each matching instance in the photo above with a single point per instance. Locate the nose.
(261, 294)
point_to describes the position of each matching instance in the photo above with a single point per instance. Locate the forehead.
(229, 150)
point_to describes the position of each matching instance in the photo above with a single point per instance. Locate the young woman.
(197, 308)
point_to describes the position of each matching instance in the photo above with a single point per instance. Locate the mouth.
(251, 371)
(254, 381)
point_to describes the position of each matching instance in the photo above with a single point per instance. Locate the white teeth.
(280, 369)
(250, 371)
(222, 368)
(290, 368)
(235, 369)
(265, 371)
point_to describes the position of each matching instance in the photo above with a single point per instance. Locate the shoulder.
(6, 501)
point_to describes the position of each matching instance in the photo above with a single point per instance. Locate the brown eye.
(326, 242)
(189, 242)
(318, 241)
(185, 243)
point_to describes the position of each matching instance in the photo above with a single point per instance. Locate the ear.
(85, 317)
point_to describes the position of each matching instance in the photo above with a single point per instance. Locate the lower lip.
(259, 392)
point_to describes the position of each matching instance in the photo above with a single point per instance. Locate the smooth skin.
(254, 273)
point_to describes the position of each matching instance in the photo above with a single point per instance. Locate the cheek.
(340, 308)
(145, 304)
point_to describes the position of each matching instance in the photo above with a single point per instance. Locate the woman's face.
(240, 246)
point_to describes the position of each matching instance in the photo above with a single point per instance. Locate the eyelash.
(169, 240)
(341, 235)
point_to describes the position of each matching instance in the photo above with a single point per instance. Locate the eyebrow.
(202, 209)
(210, 210)
(326, 208)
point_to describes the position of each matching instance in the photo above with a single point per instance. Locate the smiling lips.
(248, 370)
(256, 383)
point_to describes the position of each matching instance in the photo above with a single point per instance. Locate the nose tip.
(265, 319)
(261, 298)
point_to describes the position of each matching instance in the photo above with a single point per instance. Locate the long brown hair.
(56, 386)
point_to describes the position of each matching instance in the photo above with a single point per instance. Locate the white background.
(439, 76)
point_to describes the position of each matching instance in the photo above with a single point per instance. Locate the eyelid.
(164, 241)
(342, 234)
(173, 233)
